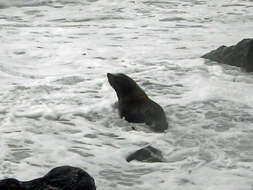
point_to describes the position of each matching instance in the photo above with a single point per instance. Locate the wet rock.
(240, 55)
(146, 154)
(59, 178)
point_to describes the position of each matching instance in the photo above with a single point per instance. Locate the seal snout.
(109, 75)
(110, 78)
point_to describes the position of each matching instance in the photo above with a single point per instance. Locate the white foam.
(57, 107)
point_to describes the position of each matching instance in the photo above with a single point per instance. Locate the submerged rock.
(146, 154)
(240, 55)
(59, 178)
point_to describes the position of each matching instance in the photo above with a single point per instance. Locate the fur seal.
(135, 105)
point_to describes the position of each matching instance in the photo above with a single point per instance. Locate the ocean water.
(57, 107)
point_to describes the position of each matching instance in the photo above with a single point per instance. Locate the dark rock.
(146, 154)
(240, 55)
(60, 178)
(10, 184)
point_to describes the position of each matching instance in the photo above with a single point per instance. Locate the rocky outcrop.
(60, 178)
(146, 154)
(240, 55)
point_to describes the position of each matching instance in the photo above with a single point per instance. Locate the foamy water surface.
(57, 108)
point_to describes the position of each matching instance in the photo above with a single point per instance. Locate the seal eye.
(121, 75)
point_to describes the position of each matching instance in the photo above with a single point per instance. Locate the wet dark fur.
(135, 105)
